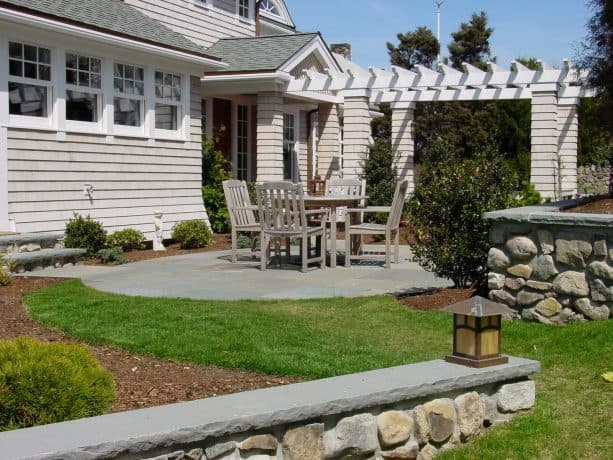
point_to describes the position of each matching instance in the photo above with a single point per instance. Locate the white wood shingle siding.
(200, 23)
(131, 178)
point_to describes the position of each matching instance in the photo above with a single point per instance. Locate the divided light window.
(129, 100)
(242, 142)
(243, 8)
(167, 101)
(29, 80)
(289, 144)
(83, 88)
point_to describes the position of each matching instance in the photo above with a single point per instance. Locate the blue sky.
(546, 29)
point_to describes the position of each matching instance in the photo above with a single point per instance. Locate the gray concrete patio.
(211, 275)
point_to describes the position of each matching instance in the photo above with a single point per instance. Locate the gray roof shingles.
(259, 53)
(113, 16)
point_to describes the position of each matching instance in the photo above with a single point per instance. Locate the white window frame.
(27, 121)
(131, 130)
(182, 110)
(278, 15)
(84, 126)
(294, 159)
(250, 9)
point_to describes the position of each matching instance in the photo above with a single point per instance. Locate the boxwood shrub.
(50, 382)
(192, 234)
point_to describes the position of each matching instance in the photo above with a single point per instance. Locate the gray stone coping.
(128, 433)
(44, 254)
(549, 213)
(24, 238)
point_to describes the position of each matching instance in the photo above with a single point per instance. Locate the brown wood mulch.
(598, 206)
(140, 381)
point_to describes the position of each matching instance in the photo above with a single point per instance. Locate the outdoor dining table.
(332, 202)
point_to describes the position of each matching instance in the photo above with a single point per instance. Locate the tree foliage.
(471, 43)
(419, 46)
(595, 147)
(597, 56)
(215, 170)
(447, 208)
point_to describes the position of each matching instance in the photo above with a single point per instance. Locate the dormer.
(274, 18)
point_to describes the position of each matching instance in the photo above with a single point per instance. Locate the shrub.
(215, 170)
(85, 233)
(192, 234)
(380, 172)
(529, 196)
(112, 256)
(50, 382)
(447, 209)
(127, 239)
(5, 272)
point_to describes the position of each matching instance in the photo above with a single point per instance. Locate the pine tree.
(416, 47)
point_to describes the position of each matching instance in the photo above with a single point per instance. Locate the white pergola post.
(544, 133)
(403, 141)
(269, 137)
(356, 132)
(568, 135)
(328, 153)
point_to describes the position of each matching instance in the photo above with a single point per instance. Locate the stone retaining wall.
(593, 179)
(406, 412)
(552, 267)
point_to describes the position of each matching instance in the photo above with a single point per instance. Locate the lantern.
(476, 332)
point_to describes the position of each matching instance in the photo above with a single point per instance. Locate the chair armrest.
(369, 209)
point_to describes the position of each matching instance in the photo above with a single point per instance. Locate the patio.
(211, 275)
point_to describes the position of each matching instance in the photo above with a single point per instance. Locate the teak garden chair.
(282, 215)
(353, 187)
(242, 213)
(389, 229)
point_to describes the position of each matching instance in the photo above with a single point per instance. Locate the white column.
(4, 118)
(544, 134)
(270, 137)
(403, 141)
(356, 129)
(328, 150)
(568, 135)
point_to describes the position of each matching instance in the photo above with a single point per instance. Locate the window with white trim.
(83, 88)
(129, 100)
(269, 6)
(242, 142)
(289, 147)
(244, 9)
(29, 80)
(167, 101)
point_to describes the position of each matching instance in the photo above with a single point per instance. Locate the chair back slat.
(393, 220)
(281, 206)
(345, 187)
(239, 204)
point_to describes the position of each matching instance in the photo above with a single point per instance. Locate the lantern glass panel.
(459, 320)
(465, 341)
(470, 321)
(489, 342)
(495, 321)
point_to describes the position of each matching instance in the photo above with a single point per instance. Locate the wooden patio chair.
(242, 213)
(283, 216)
(389, 229)
(353, 187)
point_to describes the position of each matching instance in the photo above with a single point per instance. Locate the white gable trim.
(58, 26)
(317, 47)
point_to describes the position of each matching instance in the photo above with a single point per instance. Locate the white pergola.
(554, 93)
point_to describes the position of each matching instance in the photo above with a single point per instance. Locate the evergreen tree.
(471, 43)
(416, 47)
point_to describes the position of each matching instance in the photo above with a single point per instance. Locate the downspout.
(310, 143)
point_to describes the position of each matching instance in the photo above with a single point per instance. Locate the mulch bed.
(140, 381)
(598, 206)
(437, 299)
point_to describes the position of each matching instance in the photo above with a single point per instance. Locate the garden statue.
(158, 234)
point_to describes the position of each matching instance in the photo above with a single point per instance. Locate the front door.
(222, 127)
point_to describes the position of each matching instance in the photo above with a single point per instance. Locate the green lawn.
(319, 338)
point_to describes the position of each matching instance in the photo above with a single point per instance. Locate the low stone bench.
(29, 242)
(399, 412)
(43, 258)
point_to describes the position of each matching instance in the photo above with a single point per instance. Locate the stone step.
(44, 258)
(29, 242)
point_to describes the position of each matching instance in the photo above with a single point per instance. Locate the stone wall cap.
(127, 433)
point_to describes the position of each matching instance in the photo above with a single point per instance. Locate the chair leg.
(305, 253)
(264, 242)
(234, 238)
(322, 240)
(388, 249)
(397, 247)
(347, 240)
(254, 237)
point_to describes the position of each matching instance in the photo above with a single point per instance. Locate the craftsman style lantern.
(476, 332)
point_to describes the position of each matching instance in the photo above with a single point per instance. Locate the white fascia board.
(83, 32)
(316, 46)
(275, 77)
(312, 96)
